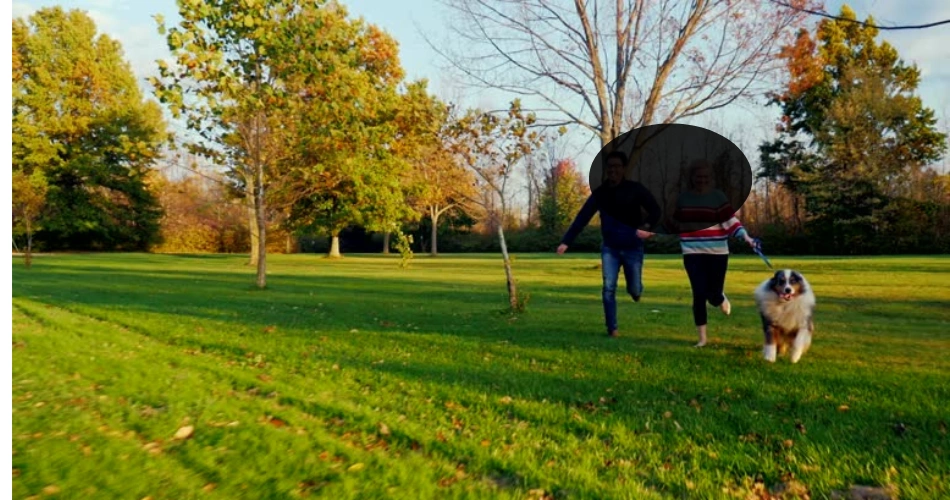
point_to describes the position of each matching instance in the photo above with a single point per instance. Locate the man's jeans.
(632, 263)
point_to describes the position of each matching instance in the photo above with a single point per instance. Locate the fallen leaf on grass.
(843, 408)
(276, 422)
(185, 432)
(858, 492)
(383, 429)
(486, 442)
(209, 487)
(152, 448)
(270, 329)
(505, 400)
(355, 467)
(51, 490)
(790, 489)
(264, 377)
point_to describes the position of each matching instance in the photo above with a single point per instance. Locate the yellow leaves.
(356, 467)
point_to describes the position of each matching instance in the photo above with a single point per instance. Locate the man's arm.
(583, 217)
(654, 212)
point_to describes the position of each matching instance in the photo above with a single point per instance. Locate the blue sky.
(132, 24)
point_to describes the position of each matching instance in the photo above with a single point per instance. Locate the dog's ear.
(799, 279)
(775, 277)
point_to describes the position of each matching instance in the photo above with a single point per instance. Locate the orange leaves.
(804, 63)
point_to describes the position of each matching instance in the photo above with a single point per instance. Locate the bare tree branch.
(630, 63)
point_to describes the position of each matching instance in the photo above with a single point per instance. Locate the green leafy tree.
(225, 81)
(349, 169)
(436, 182)
(80, 119)
(562, 196)
(852, 131)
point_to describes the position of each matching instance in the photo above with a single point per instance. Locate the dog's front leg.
(769, 350)
(802, 342)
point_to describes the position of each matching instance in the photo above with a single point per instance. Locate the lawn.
(357, 379)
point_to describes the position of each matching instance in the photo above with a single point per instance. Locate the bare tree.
(492, 147)
(606, 66)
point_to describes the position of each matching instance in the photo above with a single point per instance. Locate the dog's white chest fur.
(790, 315)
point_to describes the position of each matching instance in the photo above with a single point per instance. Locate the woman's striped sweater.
(712, 208)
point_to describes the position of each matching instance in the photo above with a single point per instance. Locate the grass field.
(357, 379)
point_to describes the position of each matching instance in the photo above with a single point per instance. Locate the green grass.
(357, 379)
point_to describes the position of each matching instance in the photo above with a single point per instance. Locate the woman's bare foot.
(701, 330)
(725, 307)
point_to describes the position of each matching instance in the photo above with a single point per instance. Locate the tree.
(852, 131)
(347, 172)
(436, 182)
(563, 194)
(492, 147)
(80, 119)
(622, 65)
(29, 199)
(200, 214)
(224, 80)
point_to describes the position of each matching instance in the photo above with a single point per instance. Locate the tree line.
(300, 131)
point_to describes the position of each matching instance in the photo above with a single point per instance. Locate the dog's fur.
(786, 304)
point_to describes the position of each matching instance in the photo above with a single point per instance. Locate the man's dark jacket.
(621, 215)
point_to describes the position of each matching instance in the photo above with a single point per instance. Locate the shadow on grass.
(762, 409)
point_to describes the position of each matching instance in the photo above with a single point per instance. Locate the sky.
(132, 24)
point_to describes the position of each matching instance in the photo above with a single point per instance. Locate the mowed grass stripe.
(124, 419)
(541, 401)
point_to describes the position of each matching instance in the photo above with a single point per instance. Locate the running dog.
(786, 304)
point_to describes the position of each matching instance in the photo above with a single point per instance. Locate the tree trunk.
(435, 232)
(386, 242)
(262, 235)
(512, 287)
(335, 247)
(291, 243)
(252, 225)
(28, 259)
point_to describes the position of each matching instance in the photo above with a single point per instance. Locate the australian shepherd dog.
(786, 304)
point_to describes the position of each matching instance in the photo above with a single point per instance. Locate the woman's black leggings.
(707, 275)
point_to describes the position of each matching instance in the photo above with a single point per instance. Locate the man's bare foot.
(613, 333)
